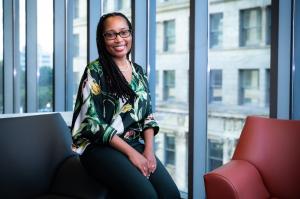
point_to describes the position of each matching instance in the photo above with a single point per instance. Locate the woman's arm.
(135, 157)
(149, 151)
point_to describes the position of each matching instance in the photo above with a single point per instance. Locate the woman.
(113, 127)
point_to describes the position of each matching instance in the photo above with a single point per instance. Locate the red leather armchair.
(265, 164)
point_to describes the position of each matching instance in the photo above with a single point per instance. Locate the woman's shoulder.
(94, 66)
(138, 68)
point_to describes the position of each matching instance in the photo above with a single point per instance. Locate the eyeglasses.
(110, 35)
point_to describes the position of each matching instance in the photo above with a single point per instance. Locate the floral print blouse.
(99, 114)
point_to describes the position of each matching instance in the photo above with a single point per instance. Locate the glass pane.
(216, 30)
(123, 6)
(239, 76)
(20, 86)
(1, 57)
(79, 39)
(45, 55)
(172, 66)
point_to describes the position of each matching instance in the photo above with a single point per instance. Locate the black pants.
(113, 169)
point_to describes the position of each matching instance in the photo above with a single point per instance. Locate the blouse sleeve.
(149, 121)
(88, 124)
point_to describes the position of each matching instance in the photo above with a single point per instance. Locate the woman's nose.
(118, 38)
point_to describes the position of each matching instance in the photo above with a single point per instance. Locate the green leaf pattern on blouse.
(99, 114)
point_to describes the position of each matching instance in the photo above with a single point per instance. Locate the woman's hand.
(151, 160)
(148, 151)
(140, 162)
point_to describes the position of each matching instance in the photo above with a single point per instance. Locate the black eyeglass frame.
(117, 33)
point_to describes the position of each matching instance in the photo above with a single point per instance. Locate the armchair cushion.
(236, 179)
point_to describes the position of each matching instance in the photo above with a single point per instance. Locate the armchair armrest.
(73, 181)
(237, 179)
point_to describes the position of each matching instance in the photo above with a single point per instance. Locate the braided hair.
(117, 84)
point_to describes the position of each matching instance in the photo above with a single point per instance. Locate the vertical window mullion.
(69, 54)
(59, 55)
(8, 58)
(296, 75)
(197, 97)
(31, 55)
(94, 13)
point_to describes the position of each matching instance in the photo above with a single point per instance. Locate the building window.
(216, 30)
(268, 25)
(250, 27)
(169, 85)
(215, 86)
(169, 35)
(215, 156)
(76, 9)
(249, 87)
(76, 45)
(169, 150)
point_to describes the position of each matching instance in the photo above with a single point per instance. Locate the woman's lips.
(119, 48)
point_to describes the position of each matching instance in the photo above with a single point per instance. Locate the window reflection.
(239, 78)
(45, 55)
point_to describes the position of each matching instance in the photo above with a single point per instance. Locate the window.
(169, 85)
(250, 28)
(117, 5)
(268, 25)
(215, 86)
(169, 150)
(79, 50)
(45, 53)
(169, 35)
(249, 87)
(172, 91)
(20, 76)
(215, 154)
(216, 30)
(76, 45)
(239, 86)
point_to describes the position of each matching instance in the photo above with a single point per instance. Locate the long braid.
(114, 78)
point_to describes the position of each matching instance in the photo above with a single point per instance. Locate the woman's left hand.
(151, 160)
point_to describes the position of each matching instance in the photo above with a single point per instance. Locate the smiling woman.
(113, 126)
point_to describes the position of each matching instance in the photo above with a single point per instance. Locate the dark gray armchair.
(37, 161)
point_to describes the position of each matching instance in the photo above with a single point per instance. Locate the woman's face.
(118, 47)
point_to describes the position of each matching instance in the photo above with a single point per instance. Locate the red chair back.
(273, 146)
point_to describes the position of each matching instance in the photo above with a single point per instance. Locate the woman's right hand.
(140, 162)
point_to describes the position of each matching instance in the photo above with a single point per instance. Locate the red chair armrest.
(237, 179)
